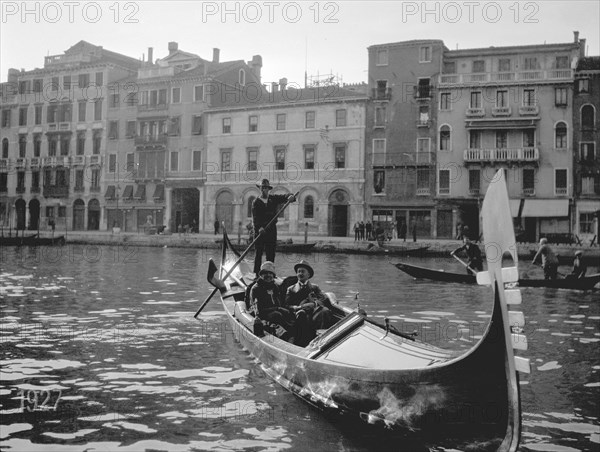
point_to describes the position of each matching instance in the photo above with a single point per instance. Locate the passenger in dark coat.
(475, 261)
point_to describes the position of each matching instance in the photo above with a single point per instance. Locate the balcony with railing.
(149, 140)
(381, 94)
(423, 191)
(142, 108)
(35, 162)
(4, 165)
(445, 80)
(529, 191)
(502, 155)
(501, 111)
(61, 160)
(21, 164)
(56, 191)
(78, 160)
(95, 160)
(59, 127)
(529, 110)
(475, 112)
(474, 191)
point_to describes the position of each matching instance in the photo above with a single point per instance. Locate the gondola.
(365, 371)
(22, 240)
(585, 283)
(282, 246)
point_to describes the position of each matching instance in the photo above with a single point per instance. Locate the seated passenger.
(579, 267)
(309, 303)
(265, 300)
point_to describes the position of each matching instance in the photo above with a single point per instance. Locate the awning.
(159, 193)
(110, 192)
(128, 193)
(546, 208)
(514, 207)
(140, 193)
(524, 123)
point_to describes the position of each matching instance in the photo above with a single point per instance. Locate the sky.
(329, 37)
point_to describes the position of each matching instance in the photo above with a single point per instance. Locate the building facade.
(53, 131)
(307, 140)
(586, 137)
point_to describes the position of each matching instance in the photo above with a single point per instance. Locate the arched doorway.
(79, 215)
(20, 208)
(338, 214)
(224, 209)
(93, 215)
(34, 215)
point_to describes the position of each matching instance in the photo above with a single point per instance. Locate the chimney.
(582, 48)
(575, 36)
(215, 55)
(172, 48)
(150, 54)
(274, 87)
(282, 83)
(256, 65)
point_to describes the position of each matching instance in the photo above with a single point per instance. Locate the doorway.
(338, 214)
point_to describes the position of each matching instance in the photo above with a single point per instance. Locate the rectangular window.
(587, 151)
(425, 54)
(379, 181)
(445, 101)
(309, 157)
(475, 139)
(199, 93)
(253, 123)
(475, 99)
(52, 146)
(162, 96)
(423, 145)
(225, 159)
(560, 181)
(5, 118)
(52, 113)
(450, 67)
(444, 182)
(82, 104)
(478, 66)
(340, 118)
(23, 116)
(113, 100)
(379, 151)
(20, 181)
(504, 65)
(174, 161)
(226, 125)
(174, 126)
(560, 97)
(382, 57)
(197, 125)
(80, 145)
(130, 164)
(309, 121)
(113, 130)
(281, 118)
(84, 81)
(562, 62)
(130, 132)
(66, 82)
(38, 114)
(340, 155)
(501, 139)
(279, 158)
(99, 78)
(54, 84)
(176, 95)
(98, 110)
(423, 181)
(78, 180)
(35, 181)
(95, 183)
(65, 144)
(530, 64)
(252, 159)
(112, 163)
(380, 116)
(583, 85)
(37, 145)
(196, 160)
(96, 142)
(529, 98)
(529, 138)
(586, 222)
(528, 181)
(22, 145)
(474, 181)
(501, 98)
(424, 88)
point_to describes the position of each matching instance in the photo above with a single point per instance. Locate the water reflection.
(99, 350)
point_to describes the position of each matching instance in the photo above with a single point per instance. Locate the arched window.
(5, 148)
(242, 77)
(587, 117)
(249, 209)
(444, 138)
(560, 135)
(309, 207)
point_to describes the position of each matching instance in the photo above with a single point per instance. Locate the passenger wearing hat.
(307, 299)
(264, 209)
(265, 299)
(579, 268)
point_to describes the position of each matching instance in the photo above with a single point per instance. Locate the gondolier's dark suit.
(262, 213)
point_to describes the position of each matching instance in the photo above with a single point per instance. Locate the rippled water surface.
(100, 352)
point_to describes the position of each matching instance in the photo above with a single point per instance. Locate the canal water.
(100, 352)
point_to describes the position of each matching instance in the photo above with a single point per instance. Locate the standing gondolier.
(264, 209)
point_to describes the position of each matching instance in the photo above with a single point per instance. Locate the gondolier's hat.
(305, 265)
(265, 184)
(267, 267)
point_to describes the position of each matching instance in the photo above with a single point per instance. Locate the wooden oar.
(464, 263)
(243, 255)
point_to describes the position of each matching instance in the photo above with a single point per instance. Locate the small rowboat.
(22, 240)
(362, 370)
(415, 271)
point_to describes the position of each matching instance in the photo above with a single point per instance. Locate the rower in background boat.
(549, 259)
(473, 252)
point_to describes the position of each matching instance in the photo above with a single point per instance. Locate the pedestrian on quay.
(361, 226)
(402, 233)
(264, 209)
(356, 231)
(368, 229)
